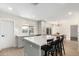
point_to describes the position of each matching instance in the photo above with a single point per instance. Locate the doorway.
(74, 32)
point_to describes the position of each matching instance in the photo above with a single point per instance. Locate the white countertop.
(39, 40)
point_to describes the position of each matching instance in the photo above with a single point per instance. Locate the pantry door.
(6, 34)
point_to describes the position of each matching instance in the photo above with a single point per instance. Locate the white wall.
(7, 29)
(65, 24)
(18, 22)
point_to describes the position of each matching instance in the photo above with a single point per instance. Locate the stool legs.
(64, 50)
(45, 53)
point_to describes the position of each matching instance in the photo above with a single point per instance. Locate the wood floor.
(12, 52)
(71, 48)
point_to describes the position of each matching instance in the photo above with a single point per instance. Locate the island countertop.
(38, 40)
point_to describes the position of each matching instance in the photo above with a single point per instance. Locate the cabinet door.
(6, 34)
(20, 42)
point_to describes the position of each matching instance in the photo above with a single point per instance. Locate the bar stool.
(54, 49)
(62, 44)
(47, 47)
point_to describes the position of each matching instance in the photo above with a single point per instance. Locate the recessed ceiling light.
(10, 8)
(69, 13)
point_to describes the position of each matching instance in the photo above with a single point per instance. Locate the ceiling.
(40, 11)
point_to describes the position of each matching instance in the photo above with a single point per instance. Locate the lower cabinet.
(19, 41)
(31, 49)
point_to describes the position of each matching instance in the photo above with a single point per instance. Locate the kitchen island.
(32, 45)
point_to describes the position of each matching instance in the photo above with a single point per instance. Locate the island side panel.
(31, 49)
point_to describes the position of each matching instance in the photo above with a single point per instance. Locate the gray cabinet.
(41, 25)
(19, 41)
(31, 49)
